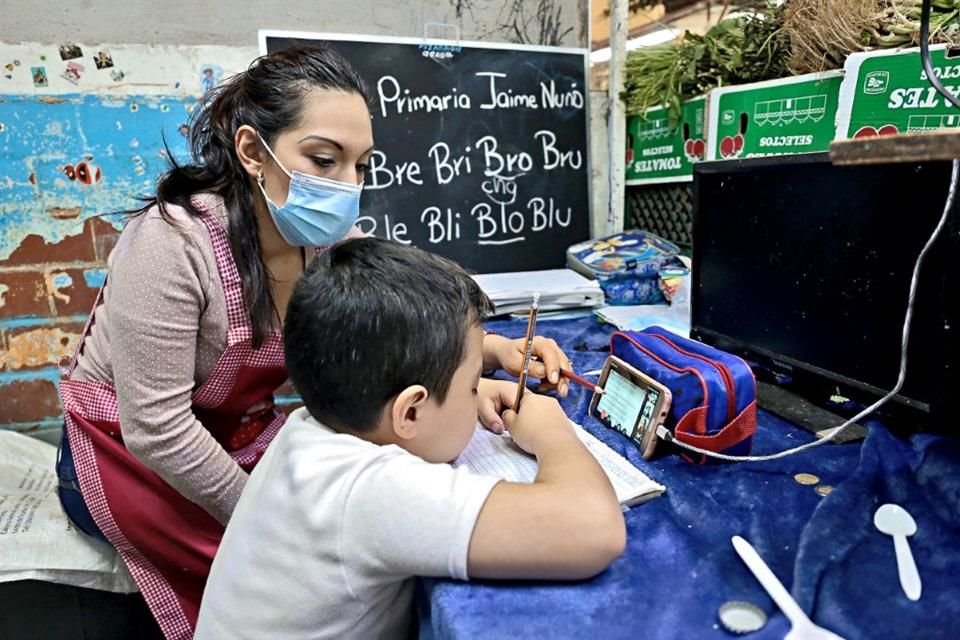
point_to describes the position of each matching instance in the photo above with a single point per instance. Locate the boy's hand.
(494, 397)
(540, 422)
(506, 354)
(567, 524)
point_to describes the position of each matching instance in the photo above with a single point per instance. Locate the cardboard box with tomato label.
(777, 117)
(659, 153)
(887, 92)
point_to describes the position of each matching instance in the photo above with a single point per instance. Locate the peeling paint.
(37, 348)
(95, 278)
(57, 280)
(79, 133)
(22, 322)
(64, 213)
(3, 294)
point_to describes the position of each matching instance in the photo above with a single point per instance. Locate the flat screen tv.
(804, 267)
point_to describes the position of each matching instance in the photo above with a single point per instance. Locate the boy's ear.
(407, 412)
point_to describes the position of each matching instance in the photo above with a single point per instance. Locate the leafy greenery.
(737, 50)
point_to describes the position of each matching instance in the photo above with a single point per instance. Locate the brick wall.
(46, 292)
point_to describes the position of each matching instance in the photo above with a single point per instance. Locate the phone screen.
(624, 404)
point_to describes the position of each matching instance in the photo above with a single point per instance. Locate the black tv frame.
(815, 382)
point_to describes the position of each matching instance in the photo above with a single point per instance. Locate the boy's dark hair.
(370, 317)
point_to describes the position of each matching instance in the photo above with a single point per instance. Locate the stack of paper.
(558, 288)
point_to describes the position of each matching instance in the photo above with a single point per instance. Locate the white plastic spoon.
(893, 520)
(801, 626)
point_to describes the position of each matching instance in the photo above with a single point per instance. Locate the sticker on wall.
(73, 72)
(103, 60)
(70, 51)
(39, 76)
(209, 77)
(8, 66)
(16, 63)
(116, 75)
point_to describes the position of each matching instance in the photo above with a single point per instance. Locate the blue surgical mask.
(318, 211)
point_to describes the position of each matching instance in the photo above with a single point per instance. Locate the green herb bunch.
(738, 50)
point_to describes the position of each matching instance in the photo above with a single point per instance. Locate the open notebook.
(493, 455)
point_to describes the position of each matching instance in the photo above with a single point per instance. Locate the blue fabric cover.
(679, 566)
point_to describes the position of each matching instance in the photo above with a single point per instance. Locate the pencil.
(528, 350)
(570, 375)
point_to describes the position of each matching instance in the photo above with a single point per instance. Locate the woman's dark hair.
(370, 317)
(269, 96)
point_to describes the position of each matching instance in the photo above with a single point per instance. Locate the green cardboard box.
(776, 117)
(657, 153)
(887, 92)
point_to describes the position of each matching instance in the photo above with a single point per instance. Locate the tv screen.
(805, 267)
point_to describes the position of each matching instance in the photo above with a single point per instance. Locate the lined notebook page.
(493, 455)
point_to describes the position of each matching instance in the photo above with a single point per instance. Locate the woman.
(169, 398)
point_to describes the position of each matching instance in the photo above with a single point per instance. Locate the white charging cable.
(665, 434)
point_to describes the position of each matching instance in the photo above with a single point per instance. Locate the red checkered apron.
(167, 541)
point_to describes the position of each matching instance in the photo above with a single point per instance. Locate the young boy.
(355, 495)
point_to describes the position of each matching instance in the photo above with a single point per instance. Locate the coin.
(806, 478)
(741, 617)
(824, 489)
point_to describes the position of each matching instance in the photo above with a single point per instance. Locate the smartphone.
(633, 403)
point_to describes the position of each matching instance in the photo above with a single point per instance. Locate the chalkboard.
(481, 150)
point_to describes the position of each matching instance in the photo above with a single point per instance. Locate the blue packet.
(633, 267)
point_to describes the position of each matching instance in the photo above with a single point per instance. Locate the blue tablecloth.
(679, 566)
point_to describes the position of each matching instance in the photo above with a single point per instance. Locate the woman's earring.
(260, 178)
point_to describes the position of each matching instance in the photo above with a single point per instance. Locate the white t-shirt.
(328, 534)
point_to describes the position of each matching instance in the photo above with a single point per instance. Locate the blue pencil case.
(714, 403)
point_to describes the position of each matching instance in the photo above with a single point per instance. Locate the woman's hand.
(494, 397)
(502, 353)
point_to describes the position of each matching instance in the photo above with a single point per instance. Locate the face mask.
(318, 211)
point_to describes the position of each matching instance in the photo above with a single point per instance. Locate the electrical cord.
(665, 434)
(925, 54)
